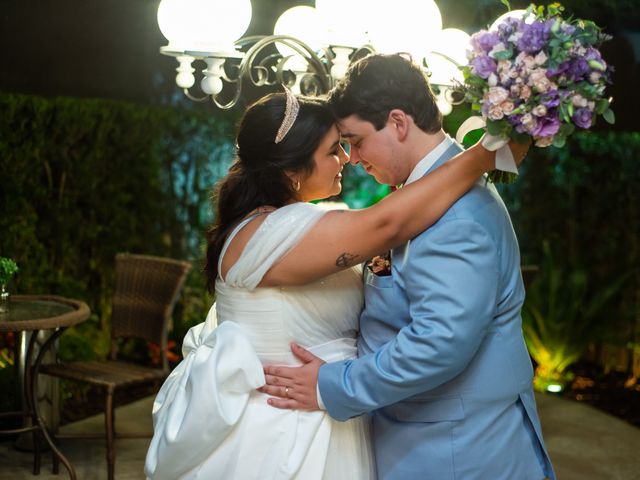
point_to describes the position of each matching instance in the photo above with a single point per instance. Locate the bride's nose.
(343, 155)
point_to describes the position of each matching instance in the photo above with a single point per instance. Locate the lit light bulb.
(173, 20)
(203, 25)
(404, 26)
(454, 43)
(442, 71)
(302, 23)
(345, 22)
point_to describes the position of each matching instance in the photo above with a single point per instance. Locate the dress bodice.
(315, 314)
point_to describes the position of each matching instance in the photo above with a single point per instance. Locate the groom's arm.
(452, 290)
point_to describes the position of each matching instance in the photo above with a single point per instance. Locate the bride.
(284, 270)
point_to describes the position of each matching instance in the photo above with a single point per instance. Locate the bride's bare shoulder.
(242, 237)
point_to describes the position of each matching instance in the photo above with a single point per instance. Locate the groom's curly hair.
(377, 84)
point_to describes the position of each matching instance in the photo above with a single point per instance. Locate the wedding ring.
(286, 392)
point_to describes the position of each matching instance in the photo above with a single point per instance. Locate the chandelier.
(310, 48)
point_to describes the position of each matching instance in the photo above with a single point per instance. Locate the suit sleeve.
(451, 284)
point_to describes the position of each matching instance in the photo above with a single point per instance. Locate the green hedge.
(583, 201)
(85, 179)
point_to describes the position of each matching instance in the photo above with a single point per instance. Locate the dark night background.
(109, 48)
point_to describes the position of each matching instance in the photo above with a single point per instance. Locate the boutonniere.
(380, 265)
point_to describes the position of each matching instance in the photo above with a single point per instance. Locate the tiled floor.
(584, 443)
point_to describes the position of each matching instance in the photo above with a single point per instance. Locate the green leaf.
(567, 129)
(504, 55)
(609, 116)
(506, 4)
(559, 141)
(496, 127)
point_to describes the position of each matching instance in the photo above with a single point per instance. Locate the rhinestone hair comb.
(290, 114)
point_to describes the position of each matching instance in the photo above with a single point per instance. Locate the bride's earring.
(296, 185)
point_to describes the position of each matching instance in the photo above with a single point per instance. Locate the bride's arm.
(345, 238)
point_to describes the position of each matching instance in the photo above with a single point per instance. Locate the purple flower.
(567, 28)
(592, 54)
(551, 99)
(547, 126)
(594, 60)
(508, 27)
(560, 69)
(578, 69)
(582, 117)
(515, 120)
(484, 41)
(534, 37)
(483, 66)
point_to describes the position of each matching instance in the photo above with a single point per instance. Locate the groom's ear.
(400, 123)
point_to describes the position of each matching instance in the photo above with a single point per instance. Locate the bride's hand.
(294, 388)
(488, 158)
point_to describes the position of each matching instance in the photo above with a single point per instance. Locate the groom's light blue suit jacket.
(443, 366)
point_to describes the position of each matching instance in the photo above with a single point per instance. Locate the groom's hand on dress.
(294, 388)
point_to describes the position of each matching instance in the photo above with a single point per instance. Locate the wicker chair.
(145, 294)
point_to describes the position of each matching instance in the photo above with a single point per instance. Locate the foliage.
(91, 178)
(8, 268)
(562, 315)
(359, 189)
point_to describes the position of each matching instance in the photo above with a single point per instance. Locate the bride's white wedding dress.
(211, 423)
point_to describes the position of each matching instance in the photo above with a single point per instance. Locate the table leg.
(31, 401)
(32, 384)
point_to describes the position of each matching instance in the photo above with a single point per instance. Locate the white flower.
(497, 95)
(495, 112)
(507, 107)
(591, 105)
(525, 93)
(544, 141)
(504, 65)
(539, 111)
(527, 60)
(594, 77)
(515, 37)
(578, 100)
(578, 50)
(529, 122)
(515, 90)
(492, 80)
(541, 58)
(538, 79)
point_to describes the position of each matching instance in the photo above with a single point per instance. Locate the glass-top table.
(33, 313)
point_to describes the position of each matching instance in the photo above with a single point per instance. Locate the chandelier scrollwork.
(310, 50)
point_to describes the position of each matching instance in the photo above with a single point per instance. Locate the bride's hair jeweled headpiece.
(290, 113)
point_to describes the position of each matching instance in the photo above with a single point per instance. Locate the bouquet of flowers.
(538, 77)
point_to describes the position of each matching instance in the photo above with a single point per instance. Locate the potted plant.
(8, 269)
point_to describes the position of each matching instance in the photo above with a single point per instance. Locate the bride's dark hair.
(257, 176)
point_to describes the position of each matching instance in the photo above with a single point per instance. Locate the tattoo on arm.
(346, 260)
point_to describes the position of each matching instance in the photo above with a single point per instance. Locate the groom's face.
(376, 150)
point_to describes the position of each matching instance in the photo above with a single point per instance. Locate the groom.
(442, 368)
